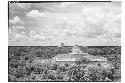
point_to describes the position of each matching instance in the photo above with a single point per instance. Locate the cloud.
(67, 27)
(36, 36)
(21, 35)
(20, 5)
(16, 33)
(19, 9)
(32, 33)
(66, 4)
(16, 20)
(15, 36)
(104, 21)
(35, 13)
(118, 35)
(24, 5)
(18, 27)
(64, 21)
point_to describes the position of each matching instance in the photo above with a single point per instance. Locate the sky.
(49, 24)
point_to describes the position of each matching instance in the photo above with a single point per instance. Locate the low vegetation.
(23, 68)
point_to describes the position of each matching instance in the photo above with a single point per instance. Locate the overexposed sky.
(82, 23)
